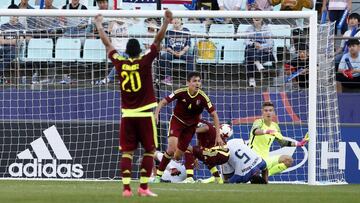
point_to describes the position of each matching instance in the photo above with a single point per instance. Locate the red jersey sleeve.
(149, 57)
(171, 97)
(115, 57)
(207, 103)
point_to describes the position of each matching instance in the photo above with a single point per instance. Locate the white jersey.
(242, 159)
(120, 29)
(167, 173)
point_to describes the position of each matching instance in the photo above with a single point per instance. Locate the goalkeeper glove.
(348, 74)
(303, 141)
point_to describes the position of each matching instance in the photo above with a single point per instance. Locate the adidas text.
(49, 170)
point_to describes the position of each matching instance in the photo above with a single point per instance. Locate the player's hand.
(98, 19)
(304, 141)
(270, 132)
(168, 16)
(219, 141)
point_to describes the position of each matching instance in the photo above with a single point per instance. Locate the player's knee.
(287, 160)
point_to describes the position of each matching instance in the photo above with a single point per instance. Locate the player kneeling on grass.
(206, 151)
(244, 165)
(263, 133)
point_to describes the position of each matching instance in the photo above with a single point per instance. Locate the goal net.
(60, 108)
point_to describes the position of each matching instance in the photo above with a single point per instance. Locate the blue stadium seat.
(195, 28)
(67, 49)
(40, 49)
(281, 31)
(94, 51)
(221, 29)
(230, 50)
(138, 28)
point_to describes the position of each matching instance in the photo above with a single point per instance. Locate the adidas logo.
(51, 170)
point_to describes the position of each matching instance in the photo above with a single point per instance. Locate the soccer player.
(244, 164)
(175, 172)
(191, 102)
(137, 102)
(263, 133)
(207, 152)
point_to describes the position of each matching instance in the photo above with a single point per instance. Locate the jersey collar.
(188, 92)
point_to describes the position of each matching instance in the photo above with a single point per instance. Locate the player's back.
(207, 139)
(136, 82)
(242, 158)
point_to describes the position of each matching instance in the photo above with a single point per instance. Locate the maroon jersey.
(207, 139)
(136, 81)
(189, 108)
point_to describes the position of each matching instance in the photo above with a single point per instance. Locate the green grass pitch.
(13, 191)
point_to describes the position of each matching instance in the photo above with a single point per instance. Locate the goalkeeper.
(263, 133)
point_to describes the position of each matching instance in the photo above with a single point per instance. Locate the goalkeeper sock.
(146, 168)
(163, 163)
(277, 169)
(125, 165)
(189, 164)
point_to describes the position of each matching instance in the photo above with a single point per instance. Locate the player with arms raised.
(191, 102)
(137, 102)
(263, 133)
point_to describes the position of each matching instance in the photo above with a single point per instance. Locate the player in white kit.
(244, 165)
(175, 172)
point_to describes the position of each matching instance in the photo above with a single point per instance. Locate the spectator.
(259, 5)
(227, 5)
(75, 25)
(48, 23)
(116, 27)
(353, 31)
(336, 9)
(347, 76)
(293, 5)
(9, 39)
(300, 64)
(27, 22)
(177, 45)
(259, 48)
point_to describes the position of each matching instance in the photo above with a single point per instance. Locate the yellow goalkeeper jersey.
(261, 143)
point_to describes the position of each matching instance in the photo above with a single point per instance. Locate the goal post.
(223, 80)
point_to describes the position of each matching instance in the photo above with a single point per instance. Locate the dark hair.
(192, 74)
(13, 6)
(354, 15)
(353, 42)
(303, 47)
(267, 103)
(133, 48)
(256, 179)
(101, 0)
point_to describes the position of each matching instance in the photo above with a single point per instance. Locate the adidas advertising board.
(44, 164)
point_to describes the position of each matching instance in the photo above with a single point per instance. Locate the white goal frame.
(311, 15)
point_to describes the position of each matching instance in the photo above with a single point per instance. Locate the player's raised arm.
(104, 38)
(161, 34)
(218, 140)
(161, 104)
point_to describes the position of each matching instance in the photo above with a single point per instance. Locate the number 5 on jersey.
(134, 78)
